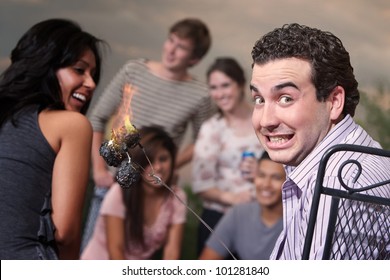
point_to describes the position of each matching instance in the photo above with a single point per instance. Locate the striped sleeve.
(110, 99)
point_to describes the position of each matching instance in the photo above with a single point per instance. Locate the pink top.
(171, 212)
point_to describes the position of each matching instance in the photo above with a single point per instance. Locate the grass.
(191, 226)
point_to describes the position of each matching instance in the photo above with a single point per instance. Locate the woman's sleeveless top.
(26, 166)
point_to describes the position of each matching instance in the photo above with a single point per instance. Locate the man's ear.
(336, 100)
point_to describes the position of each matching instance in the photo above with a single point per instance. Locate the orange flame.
(125, 114)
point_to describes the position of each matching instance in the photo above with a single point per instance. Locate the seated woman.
(135, 222)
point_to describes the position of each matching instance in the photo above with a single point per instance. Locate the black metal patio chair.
(359, 222)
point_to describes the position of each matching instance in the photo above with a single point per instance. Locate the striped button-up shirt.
(298, 189)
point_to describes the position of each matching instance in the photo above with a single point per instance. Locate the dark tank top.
(26, 165)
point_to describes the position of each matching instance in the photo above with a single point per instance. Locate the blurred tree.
(374, 115)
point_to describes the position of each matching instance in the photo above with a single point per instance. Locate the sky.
(138, 28)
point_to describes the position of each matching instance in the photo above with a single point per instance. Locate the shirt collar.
(301, 174)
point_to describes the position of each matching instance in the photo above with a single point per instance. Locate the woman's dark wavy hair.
(31, 78)
(325, 52)
(231, 68)
(152, 139)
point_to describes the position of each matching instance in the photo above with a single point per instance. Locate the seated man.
(305, 96)
(251, 229)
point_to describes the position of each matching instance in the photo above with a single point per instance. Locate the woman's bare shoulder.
(65, 119)
(59, 125)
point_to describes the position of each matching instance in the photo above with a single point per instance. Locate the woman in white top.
(220, 177)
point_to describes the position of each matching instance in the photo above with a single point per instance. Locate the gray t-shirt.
(243, 232)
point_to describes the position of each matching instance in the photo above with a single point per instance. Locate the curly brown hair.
(330, 62)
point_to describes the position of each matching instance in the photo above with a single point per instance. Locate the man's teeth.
(278, 139)
(79, 96)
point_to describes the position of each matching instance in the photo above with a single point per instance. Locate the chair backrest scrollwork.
(359, 218)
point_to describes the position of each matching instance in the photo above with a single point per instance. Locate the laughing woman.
(45, 140)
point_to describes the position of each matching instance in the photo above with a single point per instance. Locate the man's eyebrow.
(283, 85)
(277, 87)
(253, 88)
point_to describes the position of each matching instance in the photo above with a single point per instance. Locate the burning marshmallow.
(115, 153)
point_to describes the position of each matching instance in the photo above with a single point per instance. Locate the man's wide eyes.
(258, 100)
(285, 99)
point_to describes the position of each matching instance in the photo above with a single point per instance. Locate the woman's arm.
(70, 135)
(172, 248)
(185, 156)
(115, 231)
